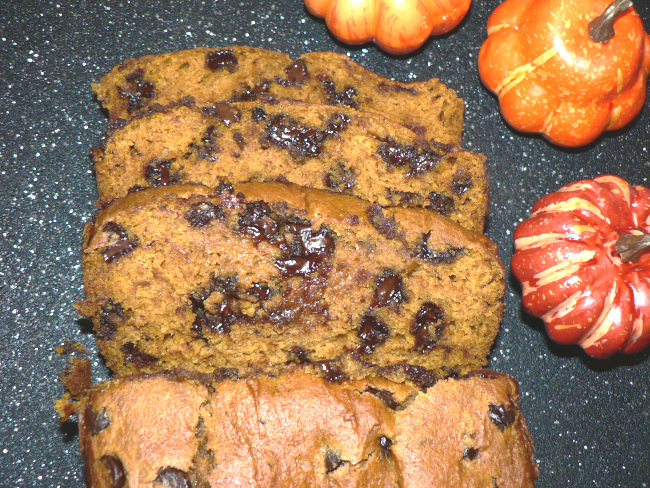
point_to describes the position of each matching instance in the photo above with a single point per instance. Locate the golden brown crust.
(238, 73)
(264, 274)
(320, 146)
(299, 430)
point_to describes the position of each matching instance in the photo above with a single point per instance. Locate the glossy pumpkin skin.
(551, 78)
(397, 26)
(571, 274)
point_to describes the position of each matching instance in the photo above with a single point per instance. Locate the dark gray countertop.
(589, 419)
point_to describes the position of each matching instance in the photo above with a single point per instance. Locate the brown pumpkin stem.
(601, 29)
(631, 246)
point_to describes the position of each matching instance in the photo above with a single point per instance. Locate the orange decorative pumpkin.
(397, 26)
(583, 259)
(555, 75)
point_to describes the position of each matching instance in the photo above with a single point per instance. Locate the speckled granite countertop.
(590, 420)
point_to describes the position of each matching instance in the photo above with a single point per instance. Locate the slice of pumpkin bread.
(241, 73)
(259, 275)
(299, 430)
(319, 146)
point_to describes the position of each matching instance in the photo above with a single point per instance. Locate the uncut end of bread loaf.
(319, 146)
(241, 73)
(300, 430)
(262, 275)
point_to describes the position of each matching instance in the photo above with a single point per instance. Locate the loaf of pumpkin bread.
(260, 275)
(300, 430)
(320, 146)
(241, 73)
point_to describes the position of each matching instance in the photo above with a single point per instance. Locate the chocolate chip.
(502, 416)
(372, 333)
(96, 422)
(421, 376)
(222, 59)
(296, 73)
(470, 453)
(385, 226)
(112, 315)
(385, 443)
(223, 112)
(201, 214)
(173, 478)
(447, 256)
(222, 315)
(258, 114)
(299, 355)
(239, 140)
(390, 291)
(120, 243)
(419, 159)
(461, 184)
(385, 396)
(340, 178)
(345, 97)
(302, 141)
(333, 461)
(430, 318)
(133, 354)
(305, 251)
(442, 204)
(207, 148)
(115, 471)
(157, 173)
(261, 291)
(137, 91)
(258, 222)
(332, 372)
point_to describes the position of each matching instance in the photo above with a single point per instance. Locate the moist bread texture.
(241, 73)
(320, 146)
(300, 430)
(260, 275)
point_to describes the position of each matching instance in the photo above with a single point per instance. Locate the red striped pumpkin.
(583, 259)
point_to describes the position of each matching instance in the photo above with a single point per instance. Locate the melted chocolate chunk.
(419, 159)
(296, 74)
(137, 91)
(340, 178)
(429, 318)
(332, 373)
(112, 315)
(120, 244)
(421, 376)
(173, 478)
(372, 333)
(305, 250)
(239, 140)
(133, 354)
(333, 461)
(260, 291)
(224, 314)
(447, 256)
(442, 204)
(115, 471)
(461, 184)
(203, 213)
(346, 97)
(222, 59)
(386, 397)
(390, 291)
(258, 222)
(258, 114)
(157, 173)
(470, 453)
(387, 227)
(96, 421)
(302, 142)
(223, 112)
(502, 416)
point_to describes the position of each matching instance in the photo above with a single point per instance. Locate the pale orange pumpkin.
(396, 26)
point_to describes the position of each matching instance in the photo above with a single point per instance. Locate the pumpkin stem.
(631, 246)
(601, 29)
